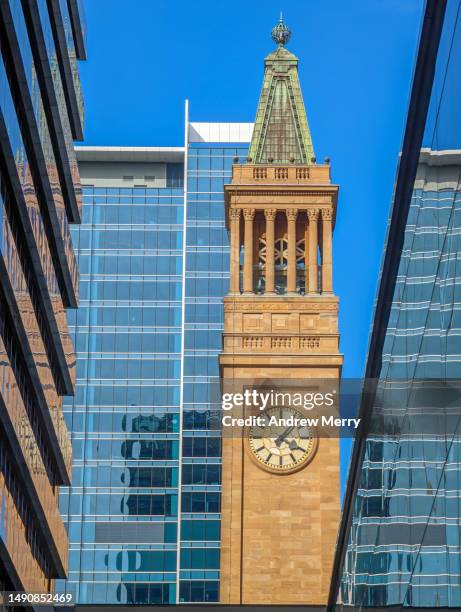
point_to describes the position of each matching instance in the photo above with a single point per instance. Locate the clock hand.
(294, 446)
(279, 439)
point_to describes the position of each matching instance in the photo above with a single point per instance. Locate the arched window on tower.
(281, 264)
(260, 272)
(300, 266)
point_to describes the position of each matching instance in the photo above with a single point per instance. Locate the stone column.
(234, 215)
(327, 254)
(292, 213)
(270, 249)
(249, 215)
(306, 256)
(313, 215)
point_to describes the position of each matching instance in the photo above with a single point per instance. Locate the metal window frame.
(65, 68)
(30, 134)
(51, 108)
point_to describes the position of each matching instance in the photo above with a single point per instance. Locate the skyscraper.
(399, 542)
(143, 512)
(41, 113)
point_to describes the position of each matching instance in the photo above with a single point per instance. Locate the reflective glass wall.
(143, 512)
(207, 281)
(40, 196)
(122, 509)
(405, 545)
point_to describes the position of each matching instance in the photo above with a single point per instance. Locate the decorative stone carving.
(253, 342)
(310, 342)
(234, 213)
(249, 214)
(304, 305)
(281, 342)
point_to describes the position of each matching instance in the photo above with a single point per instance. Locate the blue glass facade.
(143, 512)
(404, 543)
(207, 281)
(124, 417)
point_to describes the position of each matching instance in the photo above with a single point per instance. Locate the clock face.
(278, 448)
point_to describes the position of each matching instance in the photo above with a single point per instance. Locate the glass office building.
(401, 541)
(212, 151)
(143, 512)
(41, 113)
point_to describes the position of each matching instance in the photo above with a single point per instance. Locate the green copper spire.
(281, 133)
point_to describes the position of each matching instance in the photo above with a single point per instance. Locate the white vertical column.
(183, 317)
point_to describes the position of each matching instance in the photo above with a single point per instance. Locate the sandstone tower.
(279, 521)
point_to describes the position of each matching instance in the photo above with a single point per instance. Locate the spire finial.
(281, 34)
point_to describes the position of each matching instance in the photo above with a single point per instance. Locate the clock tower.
(280, 491)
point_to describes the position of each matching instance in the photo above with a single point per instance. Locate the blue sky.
(356, 62)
